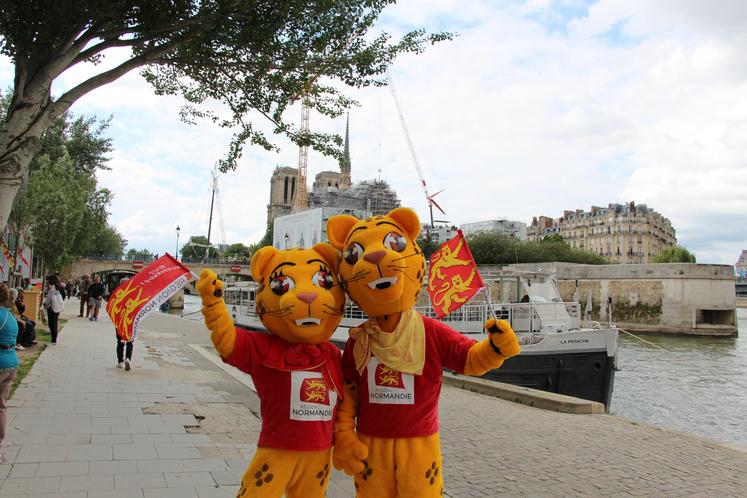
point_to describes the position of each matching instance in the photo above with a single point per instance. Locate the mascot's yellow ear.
(260, 260)
(329, 254)
(338, 228)
(407, 219)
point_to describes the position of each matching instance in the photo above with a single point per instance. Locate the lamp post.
(177, 241)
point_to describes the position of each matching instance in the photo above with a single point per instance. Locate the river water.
(696, 384)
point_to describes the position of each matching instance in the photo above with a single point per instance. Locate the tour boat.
(559, 352)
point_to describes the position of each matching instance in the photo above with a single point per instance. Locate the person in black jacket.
(95, 297)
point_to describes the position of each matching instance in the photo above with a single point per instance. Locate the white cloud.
(534, 108)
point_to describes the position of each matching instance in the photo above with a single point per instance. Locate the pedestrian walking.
(53, 304)
(124, 348)
(95, 296)
(8, 360)
(85, 283)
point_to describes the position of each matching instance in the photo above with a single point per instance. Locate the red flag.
(453, 277)
(152, 286)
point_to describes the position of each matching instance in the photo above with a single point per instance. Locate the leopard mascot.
(295, 369)
(386, 429)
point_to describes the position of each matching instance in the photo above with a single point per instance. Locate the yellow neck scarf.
(402, 349)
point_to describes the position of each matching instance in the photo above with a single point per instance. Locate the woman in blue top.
(8, 358)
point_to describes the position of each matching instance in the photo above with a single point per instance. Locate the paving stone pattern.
(80, 427)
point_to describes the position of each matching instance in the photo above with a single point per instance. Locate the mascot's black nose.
(218, 293)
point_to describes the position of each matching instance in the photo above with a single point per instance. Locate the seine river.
(697, 385)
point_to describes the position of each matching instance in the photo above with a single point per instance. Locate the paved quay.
(180, 424)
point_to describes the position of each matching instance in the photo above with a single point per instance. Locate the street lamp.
(177, 242)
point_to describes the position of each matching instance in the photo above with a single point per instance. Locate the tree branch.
(96, 49)
(69, 97)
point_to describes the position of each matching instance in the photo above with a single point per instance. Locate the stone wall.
(677, 298)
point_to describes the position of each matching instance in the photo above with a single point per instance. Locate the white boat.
(559, 353)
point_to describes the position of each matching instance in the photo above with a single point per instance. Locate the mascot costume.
(296, 371)
(386, 429)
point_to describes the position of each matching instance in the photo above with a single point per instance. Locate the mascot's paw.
(348, 453)
(503, 337)
(210, 288)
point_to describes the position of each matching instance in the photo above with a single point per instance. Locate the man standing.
(95, 296)
(85, 283)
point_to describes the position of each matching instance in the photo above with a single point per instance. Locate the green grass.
(28, 356)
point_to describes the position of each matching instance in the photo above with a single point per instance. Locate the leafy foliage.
(237, 250)
(674, 254)
(427, 245)
(197, 249)
(255, 57)
(139, 255)
(497, 249)
(266, 240)
(62, 207)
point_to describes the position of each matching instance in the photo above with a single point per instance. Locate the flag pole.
(490, 302)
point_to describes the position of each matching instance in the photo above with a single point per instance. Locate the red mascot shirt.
(297, 403)
(395, 404)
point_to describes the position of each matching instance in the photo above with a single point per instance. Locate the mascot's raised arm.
(296, 370)
(386, 431)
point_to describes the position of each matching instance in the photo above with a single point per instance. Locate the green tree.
(497, 249)
(237, 250)
(674, 254)
(84, 137)
(266, 240)
(427, 245)
(108, 240)
(197, 249)
(55, 204)
(139, 255)
(255, 57)
(555, 237)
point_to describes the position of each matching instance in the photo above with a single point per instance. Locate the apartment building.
(623, 233)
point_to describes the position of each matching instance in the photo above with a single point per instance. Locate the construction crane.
(428, 197)
(300, 202)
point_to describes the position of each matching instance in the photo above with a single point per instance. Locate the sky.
(534, 108)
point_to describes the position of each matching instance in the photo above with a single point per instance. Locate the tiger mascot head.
(382, 267)
(299, 297)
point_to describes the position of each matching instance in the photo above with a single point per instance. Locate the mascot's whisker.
(403, 271)
(280, 312)
(408, 256)
(361, 274)
(334, 312)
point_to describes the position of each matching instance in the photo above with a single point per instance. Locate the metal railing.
(523, 317)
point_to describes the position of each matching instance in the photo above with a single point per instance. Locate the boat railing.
(523, 317)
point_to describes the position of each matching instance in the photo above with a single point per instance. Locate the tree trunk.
(20, 139)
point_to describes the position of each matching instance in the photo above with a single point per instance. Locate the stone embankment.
(667, 298)
(180, 423)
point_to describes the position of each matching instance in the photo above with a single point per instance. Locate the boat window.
(231, 297)
(244, 296)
